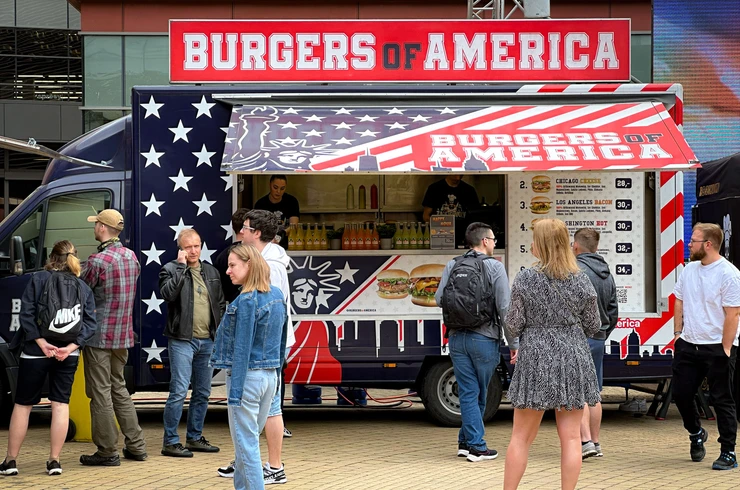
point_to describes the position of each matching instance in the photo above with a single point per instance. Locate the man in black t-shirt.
(451, 196)
(282, 204)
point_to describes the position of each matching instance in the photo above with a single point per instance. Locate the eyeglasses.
(697, 241)
(245, 227)
(491, 238)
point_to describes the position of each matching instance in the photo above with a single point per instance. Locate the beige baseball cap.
(109, 217)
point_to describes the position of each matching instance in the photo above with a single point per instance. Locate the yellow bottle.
(412, 237)
(291, 237)
(310, 238)
(324, 242)
(316, 237)
(300, 237)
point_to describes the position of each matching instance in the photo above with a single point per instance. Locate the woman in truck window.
(250, 345)
(553, 309)
(57, 319)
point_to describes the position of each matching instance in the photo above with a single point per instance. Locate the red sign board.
(400, 51)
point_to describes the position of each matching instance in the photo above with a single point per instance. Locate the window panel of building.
(41, 78)
(7, 77)
(41, 13)
(74, 17)
(7, 41)
(103, 71)
(42, 42)
(7, 12)
(146, 61)
(95, 119)
(642, 57)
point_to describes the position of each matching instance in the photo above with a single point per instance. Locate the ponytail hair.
(63, 258)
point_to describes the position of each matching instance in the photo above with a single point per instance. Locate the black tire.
(71, 431)
(440, 397)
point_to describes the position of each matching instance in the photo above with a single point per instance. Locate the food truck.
(600, 155)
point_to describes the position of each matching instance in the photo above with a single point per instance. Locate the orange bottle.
(346, 241)
(368, 238)
(375, 238)
(353, 238)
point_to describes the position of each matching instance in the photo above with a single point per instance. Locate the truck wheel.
(440, 396)
(71, 431)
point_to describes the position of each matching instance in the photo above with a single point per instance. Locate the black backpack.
(60, 309)
(468, 299)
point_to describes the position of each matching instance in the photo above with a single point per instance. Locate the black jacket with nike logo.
(29, 330)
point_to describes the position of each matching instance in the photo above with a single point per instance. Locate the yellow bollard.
(79, 407)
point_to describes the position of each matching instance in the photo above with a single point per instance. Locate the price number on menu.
(623, 183)
(624, 269)
(624, 225)
(624, 248)
(623, 204)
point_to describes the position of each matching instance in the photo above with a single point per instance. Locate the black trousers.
(691, 364)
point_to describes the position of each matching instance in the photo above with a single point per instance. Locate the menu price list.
(610, 203)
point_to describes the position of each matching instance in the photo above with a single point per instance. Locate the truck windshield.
(22, 204)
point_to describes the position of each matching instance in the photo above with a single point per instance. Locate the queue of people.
(235, 316)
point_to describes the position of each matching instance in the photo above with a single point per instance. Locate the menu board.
(611, 203)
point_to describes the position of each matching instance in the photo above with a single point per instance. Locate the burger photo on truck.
(540, 205)
(424, 282)
(541, 183)
(393, 284)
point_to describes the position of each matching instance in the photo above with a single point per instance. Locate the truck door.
(62, 216)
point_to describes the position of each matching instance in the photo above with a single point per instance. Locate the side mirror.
(17, 260)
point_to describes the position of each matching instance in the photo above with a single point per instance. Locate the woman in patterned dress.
(553, 310)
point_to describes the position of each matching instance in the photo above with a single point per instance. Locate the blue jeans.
(188, 366)
(474, 359)
(246, 422)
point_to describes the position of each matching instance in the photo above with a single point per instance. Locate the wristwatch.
(678, 332)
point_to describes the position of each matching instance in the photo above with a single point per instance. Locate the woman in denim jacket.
(250, 345)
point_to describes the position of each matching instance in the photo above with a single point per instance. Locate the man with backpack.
(474, 296)
(111, 273)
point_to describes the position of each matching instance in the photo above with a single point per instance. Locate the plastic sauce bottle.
(361, 197)
(374, 197)
(350, 197)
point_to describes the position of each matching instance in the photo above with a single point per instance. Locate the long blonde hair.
(552, 243)
(63, 258)
(258, 275)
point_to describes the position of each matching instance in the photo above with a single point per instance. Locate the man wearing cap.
(111, 273)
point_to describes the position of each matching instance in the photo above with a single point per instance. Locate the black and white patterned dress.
(552, 318)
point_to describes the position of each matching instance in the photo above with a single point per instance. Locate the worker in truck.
(451, 196)
(284, 205)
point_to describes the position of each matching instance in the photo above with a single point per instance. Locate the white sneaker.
(588, 449)
(287, 433)
(273, 477)
(228, 470)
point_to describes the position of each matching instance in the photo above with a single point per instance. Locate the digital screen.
(697, 44)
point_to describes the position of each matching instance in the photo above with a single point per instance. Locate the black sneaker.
(201, 445)
(133, 456)
(474, 455)
(176, 451)
(98, 460)
(8, 468)
(227, 471)
(726, 461)
(53, 467)
(697, 445)
(273, 477)
(462, 450)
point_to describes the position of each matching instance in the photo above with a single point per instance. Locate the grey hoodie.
(597, 271)
(278, 260)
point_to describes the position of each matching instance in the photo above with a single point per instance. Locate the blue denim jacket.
(251, 336)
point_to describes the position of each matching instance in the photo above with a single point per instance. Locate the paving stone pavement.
(339, 448)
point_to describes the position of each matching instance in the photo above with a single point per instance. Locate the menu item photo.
(541, 183)
(540, 205)
(424, 283)
(393, 284)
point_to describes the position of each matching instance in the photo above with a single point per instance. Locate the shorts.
(275, 408)
(32, 374)
(597, 353)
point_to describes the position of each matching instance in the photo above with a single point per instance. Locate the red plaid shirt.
(112, 275)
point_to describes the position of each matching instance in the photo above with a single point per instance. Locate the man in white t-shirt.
(706, 316)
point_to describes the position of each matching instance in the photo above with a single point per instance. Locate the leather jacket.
(176, 287)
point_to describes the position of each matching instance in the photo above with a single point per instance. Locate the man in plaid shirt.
(111, 274)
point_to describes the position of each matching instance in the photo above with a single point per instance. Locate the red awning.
(502, 138)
